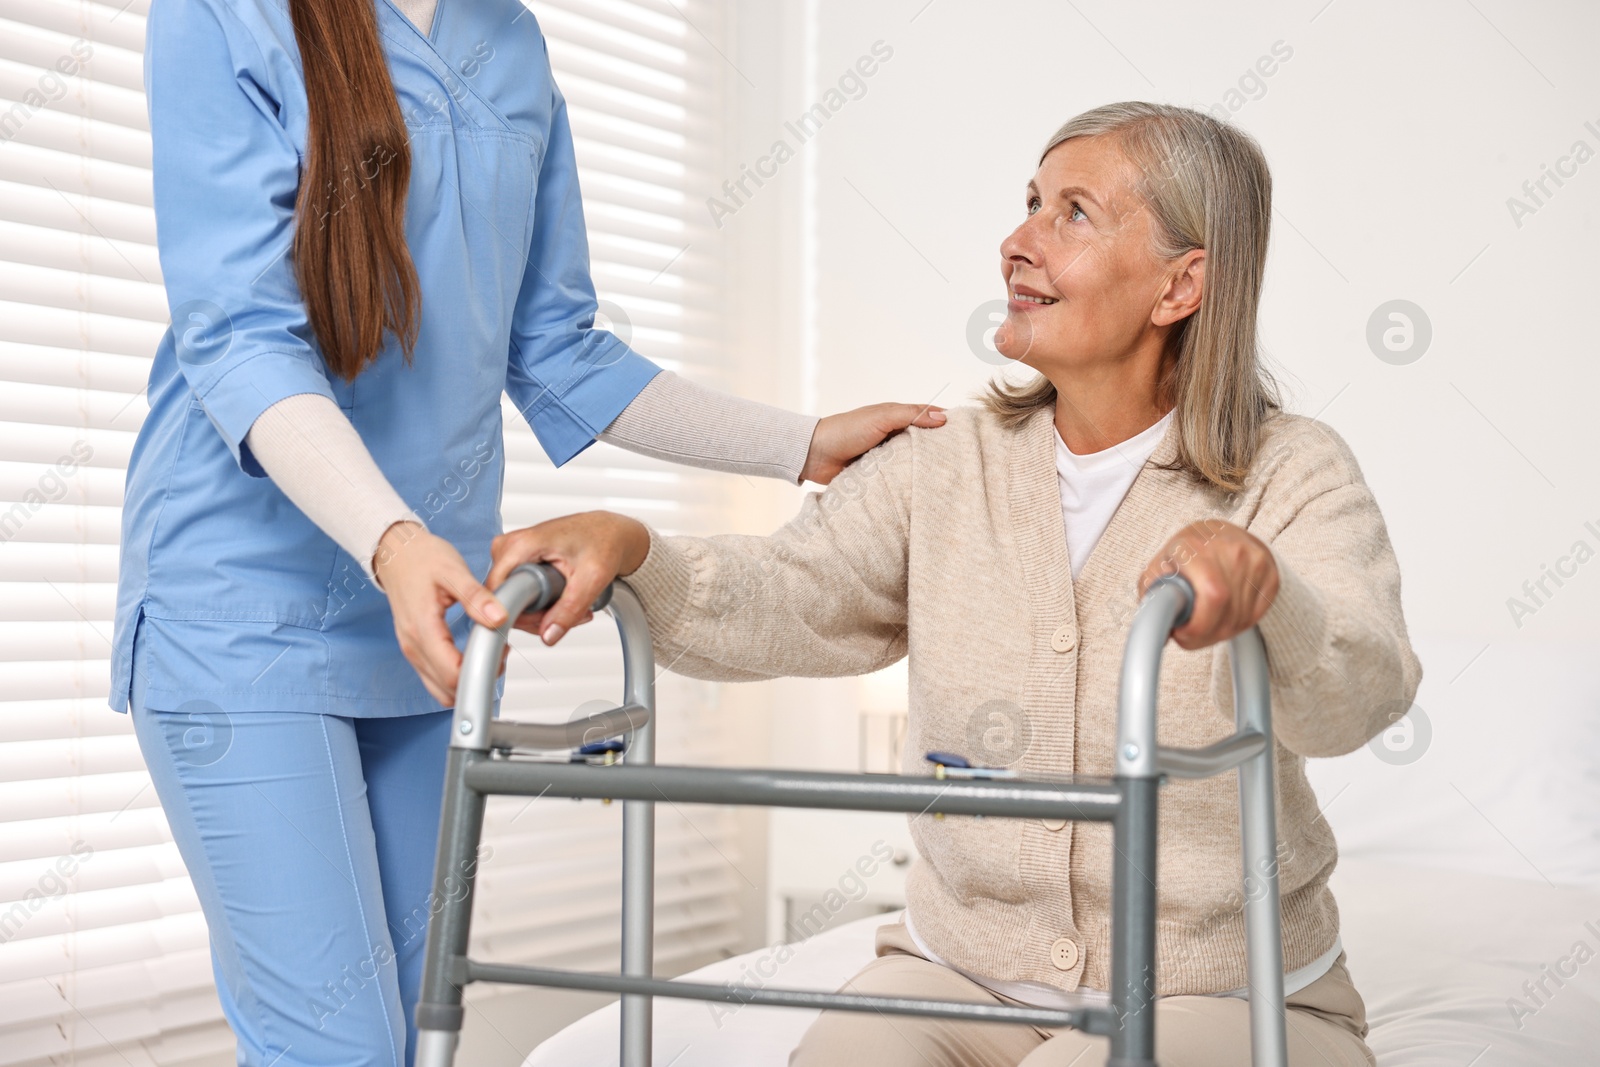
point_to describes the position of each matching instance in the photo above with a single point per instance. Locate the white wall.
(1396, 134)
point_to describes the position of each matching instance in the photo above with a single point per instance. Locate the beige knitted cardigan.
(948, 546)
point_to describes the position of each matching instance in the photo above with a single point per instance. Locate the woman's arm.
(824, 595)
(314, 455)
(674, 419)
(1324, 588)
(1340, 660)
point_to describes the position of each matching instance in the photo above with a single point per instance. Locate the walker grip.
(550, 584)
(1186, 600)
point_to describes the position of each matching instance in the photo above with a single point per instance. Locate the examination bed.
(1437, 955)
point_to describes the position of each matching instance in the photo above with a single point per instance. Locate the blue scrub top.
(235, 596)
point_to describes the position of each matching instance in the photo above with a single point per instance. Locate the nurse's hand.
(840, 438)
(423, 575)
(589, 549)
(1234, 576)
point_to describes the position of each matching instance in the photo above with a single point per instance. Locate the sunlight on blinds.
(103, 956)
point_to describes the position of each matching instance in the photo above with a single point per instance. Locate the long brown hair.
(1206, 185)
(350, 256)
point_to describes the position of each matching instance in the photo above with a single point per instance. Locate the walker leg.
(638, 829)
(1258, 828)
(439, 1010)
(1133, 925)
(638, 926)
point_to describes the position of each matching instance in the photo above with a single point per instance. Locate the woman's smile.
(1025, 299)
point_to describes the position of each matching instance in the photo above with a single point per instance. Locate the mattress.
(1456, 968)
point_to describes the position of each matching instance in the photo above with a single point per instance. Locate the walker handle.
(529, 588)
(548, 585)
(475, 736)
(1168, 604)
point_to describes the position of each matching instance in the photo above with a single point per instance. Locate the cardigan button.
(1054, 824)
(1064, 954)
(1063, 640)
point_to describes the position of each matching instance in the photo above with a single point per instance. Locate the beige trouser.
(1327, 1022)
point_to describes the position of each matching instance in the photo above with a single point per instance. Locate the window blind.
(103, 956)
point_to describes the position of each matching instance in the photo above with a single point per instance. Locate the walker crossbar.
(1094, 1020)
(481, 764)
(601, 726)
(1079, 800)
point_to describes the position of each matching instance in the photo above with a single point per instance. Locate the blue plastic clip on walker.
(949, 765)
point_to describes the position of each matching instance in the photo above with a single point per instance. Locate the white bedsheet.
(1439, 957)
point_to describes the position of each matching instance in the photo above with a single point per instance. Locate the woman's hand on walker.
(840, 438)
(1233, 573)
(589, 549)
(423, 575)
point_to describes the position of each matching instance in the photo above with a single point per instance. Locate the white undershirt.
(1093, 486)
(420, 12)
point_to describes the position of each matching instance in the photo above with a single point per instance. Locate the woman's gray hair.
(1206, 185)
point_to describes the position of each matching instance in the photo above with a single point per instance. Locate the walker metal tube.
(1140, 764)
(1129, 801)
(638, 828)
(1090, 1018)
(1212, 760)
(1269, 1043)
(534, 736)
(1166, 605)
(528, 588)
(1133, 927)
(1078, 801)
(439, 1010)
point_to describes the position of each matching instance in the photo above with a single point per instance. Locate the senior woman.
(1004, 555)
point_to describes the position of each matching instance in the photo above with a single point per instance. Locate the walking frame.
(482, 763)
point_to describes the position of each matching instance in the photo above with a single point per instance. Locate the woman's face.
(1085, 287)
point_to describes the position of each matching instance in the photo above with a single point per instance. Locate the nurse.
(369, 228)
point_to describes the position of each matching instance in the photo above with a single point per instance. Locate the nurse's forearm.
(314, 455)
(676, 420)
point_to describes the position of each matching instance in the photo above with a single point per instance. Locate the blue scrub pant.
(310, 840)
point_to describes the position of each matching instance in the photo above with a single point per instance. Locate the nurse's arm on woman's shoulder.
(683, 422)
(843, 438)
